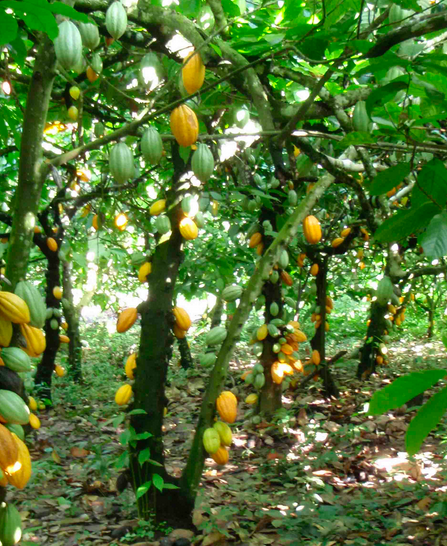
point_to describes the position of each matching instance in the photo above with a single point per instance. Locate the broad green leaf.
(137, 412)
(432, 182)
(158, 481)
(144, 456)
(68, 11)
(403, 389)
(9, 28)
(356, 138)
(125, 437)
(385, 94)
(143, 489)
(425, 421)
(405, 222)
(389, 179)
(143, 436)
(170, 486)
(434, 240)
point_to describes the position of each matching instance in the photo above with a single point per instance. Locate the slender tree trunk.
(46, 365)
(431, 318)
(374, 336)
(318, 342)
(72, 318)
(31, 172)
(216, 312)
(186, 360)
(270, 399)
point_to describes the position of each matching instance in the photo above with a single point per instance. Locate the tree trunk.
(31, 172)
(186, 360)
(154, 354)
(216, 313)
(270, 399)
(46, 365)
(431, 319)
(318, 342)
(72, 318)
(374, 336)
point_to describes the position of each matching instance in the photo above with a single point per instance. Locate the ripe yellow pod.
(158, 207)
(314, 270)
(255, 240)
(345, 232)
(57, 292)
(34, 421)
(59, 370)
(188, 229)
(337, 242)
(52, 244)
(184, 125)
(312, 230)
(123, 395)
(144, 271)
(193, 72)
(251, 399)
(13, 308)
(126, 319)
(221, 456)
(32, 404)
(64, 339)
(262, 332)
(315, 358)
(19, 473)
(131, 364)
(182, 319)
(35, 340)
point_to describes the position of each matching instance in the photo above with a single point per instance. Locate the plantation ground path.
(325, 475)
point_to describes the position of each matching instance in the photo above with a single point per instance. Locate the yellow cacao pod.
(123, 395)
(312, 230)
(14, 308)
(19, 473)
(126, 319)
(182, 318)
(184, 125)
(226, 405)
(193, 72)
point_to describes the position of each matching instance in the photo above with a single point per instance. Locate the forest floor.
(323, 474)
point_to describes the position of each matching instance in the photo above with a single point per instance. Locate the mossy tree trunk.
(71, 315)
(374, 336)
(154, 354)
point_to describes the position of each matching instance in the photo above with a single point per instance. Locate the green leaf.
(122, 461)
(158, 481)
(144, 456)
(405, 222)
(355, 138)
(68, 11)
(432, 182)
(137, 412)
(403, 389)
(434, 240)
(143, 436)
(425, 421)
(154, 463)
(389, 179)
(118, 420)
(444, 340)
(143, 489)
(385, 94)
(125, 437)
(170, 486)
(9, 28)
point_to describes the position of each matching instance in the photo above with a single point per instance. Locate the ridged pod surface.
(35, 340)
(116, 20)
(13, 308)
(121, 162)
(182, 318)
(224, 431)
(9, 449)
(36, 304)
(152, 146)
(312, 230)
(89, 34)
(193, 73)
(131, 364)
(211, 440)
(202, 163)
(123, 395)
(188, 229)
(158, 207)
(16, 360)
(221, 456)
(184, 125)
(10, 525)
(226, 405)
(52, 244)
(5, 332)
(68, 45)
(144, 271)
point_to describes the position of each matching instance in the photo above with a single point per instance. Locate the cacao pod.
(188, 229)
(35, 340)
(152, 146)
(131, 364)
(52, 244)
(232, 293)
(13, 308)
(116, 20)
(10, 525)
(89, 34)
(13, 409)
(315, 358)
(36, 304)
(251, 399)
(216, 335)
(226, 405)
(314, 270)
(178, 332)
(57, 292)
(121, 162)
(283, 261)
(16, 360)
(384, 291)
(158, 207)
(32, 404)
(73, 113)
(17, 429)
(64, 339)
(360, 119)
(123, 395)
(126, 319)
(184, 125)
(19, 474)
(312, 230)
(193, 72)
(59, 370)
(202, 163)
(199, 220)
(9, 450)
(68, 45)
(221, 456)
(5, 332)
(224, 432)
(259, 381)
(182, 318)
(337, 242)
(34, 421)
(207, 359)
(211, 440)
(144, 271)
(293, 198)
(274, 309)
(345, 232)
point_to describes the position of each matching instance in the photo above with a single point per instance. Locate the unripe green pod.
(274, 182)
(49, 313)
(283, 261)
(250, 378)
(273, 330)
(258, 368)
(57, 313)
(282, 340)
(293, 198)
(54, 324)
(274, 309)
(257, 349)
(282, 357)
(274, 277)
(259, 381)
(277, 322)
(276, 348)
(290, 302)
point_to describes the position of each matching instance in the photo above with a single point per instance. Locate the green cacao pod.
(257, 179)
(293, 198)
(211, 440)
(397, 13)
(224, 432)
(384, 290)
(16, 360)
(121, 163)
(99, 129)
(360, 118)
(188, 204)
(13, 409)
(216, 335)
(273, 330)
(68, 45)
(199, 220)
(151, 71)
(290, 302)
(232, 293)
(274, 183)
(258, 368)
(281, 357)
(205, 19)
(96, 63)
(10, 525)
(89, 34)
(249, 378)
(282, 340)
(152, 146)
(274, 309)
(202, 163)
(259, 381)
(163, 224)
(54, 324)
(277, 322)
(283, 261)
(137, 259)
(36, 304)
(207, 359)
(17, 429)
(116, 20)
(257, 348)
(276, 348)
(49, 313)
(57, 312)
(274, 277)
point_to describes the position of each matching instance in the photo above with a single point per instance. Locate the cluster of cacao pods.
(216, 439)
(182, 322)
(316, 314)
